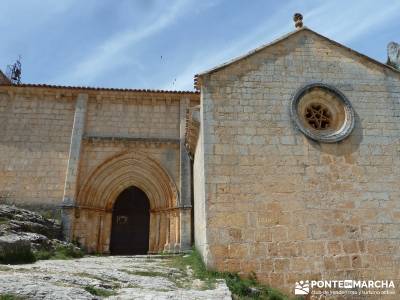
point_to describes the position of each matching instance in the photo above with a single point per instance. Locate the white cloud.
(329, 18)
(347, 20)
(39, 9)
(341, 20)
(208, 57)
(111, 52)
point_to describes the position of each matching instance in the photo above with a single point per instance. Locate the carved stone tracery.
(107, 181)
(322, 112)
(318, 116)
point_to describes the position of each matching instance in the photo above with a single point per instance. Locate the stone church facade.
(78, 149)
(286, 162)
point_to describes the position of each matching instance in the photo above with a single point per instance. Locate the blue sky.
(161, 44)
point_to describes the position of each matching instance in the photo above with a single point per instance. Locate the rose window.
(322, 113)
(318, 116)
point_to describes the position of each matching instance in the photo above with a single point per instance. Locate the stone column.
(185, 228)
(185, 187)
(100, 229)
(172, 229)
(70, 192)
(164, 226)
(153, 232)
(156, 247)
(106, 232)
(177, 234)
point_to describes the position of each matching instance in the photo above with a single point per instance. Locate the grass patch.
(10, 297)
(61, 252)
(17, 256)
(4, 268)
(4, 220)
(50, 214)
(145, 273)
(133, 286)
(99, 292)
(87, 275)
(177, 279)
(107, 279)
(43, 254)
(241, 288)
(67, 252)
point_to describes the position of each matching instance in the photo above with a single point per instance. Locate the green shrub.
(17, 256)
(43, 254)
(241, 288)
(10, 297)
(49, 215)
(61, 252)
(67, 252)
(145, 273)
(4, 220)
(99, 292)
(25, 255)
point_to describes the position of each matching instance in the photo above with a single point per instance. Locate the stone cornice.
(69, 93)
(95, 138)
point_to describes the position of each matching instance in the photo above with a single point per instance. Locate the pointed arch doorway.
(130, 223)
(92, 216)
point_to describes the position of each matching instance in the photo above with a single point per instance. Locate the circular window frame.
(326, 136)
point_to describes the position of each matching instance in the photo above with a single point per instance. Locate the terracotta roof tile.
(99, 88)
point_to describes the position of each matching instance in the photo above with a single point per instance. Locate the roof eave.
(86, 88)
(198, 77)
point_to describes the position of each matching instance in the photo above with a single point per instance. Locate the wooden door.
(130, 223)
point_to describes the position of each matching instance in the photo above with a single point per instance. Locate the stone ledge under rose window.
(322, 113)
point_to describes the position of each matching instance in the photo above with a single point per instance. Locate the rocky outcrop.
(23, 232)
(14, 249)
(110, 277)
(14, 219)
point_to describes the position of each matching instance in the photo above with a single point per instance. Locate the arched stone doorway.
(92, 214)
(130, 223)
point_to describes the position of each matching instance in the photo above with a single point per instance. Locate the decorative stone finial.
(393, 50)
(298, 20)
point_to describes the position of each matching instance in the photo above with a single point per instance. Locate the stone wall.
(118, 125)
(53, 139)
(35, 134)
(282, 205)
(144, 116)
(150, 126)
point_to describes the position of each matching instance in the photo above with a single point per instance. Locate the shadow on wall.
(349, 145)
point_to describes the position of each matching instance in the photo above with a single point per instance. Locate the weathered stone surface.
(272, 201)
(41, 161)
(138, 277)
(23, 220)
(22, 229)
(267, 199)
(13, 243)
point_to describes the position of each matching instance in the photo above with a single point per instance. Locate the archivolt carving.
(122, 171)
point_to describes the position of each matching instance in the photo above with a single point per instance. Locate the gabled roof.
(4, 79)
(32, 85)
(279, 40)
